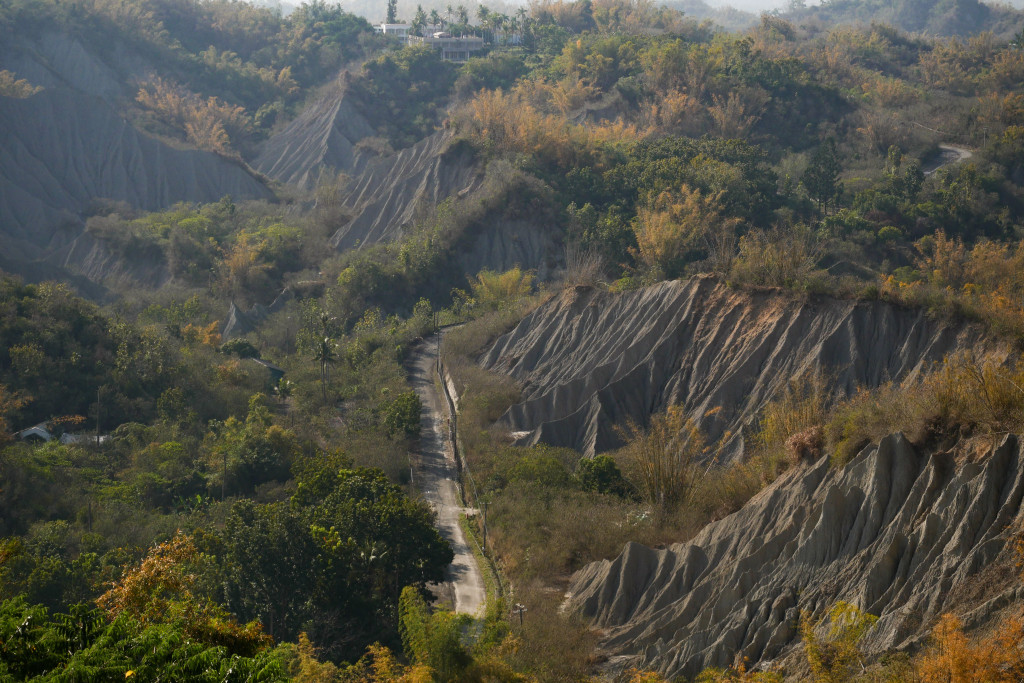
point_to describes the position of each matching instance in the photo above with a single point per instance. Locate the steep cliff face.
(897, 532)
(65, 149)
(384, 196)
(94, 260)
(324, 135)
(503, 243)
(385, 191)
(69, 145)
(589, 360)
(57, 60)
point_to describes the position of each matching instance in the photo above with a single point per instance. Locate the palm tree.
(324, 353)
(499, 21)
(418, 21)
(435, 18)
(448, 13)
(463, 14)
(483, 15)
(523, 16)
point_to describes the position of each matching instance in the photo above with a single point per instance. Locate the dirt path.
(434, 475)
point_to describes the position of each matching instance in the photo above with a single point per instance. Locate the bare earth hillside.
(901, 532)
(384, 196)
(589, 360)
(69, 146)
(323, 135)
(68, 149)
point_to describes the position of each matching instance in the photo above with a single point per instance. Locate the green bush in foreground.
(81, 645)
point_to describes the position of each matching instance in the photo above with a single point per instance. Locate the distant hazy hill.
(727, 17)
(285, 8)
(936, 17)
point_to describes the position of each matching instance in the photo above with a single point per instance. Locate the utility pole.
(519, 608)
(98, 390)
(483, 505)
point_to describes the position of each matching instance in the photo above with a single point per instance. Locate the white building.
(400, 31)
(41, 432)
(452, 49)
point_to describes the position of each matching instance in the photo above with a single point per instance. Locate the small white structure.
(452, 49)
(37, 433)
(40, 432)
(400, 31)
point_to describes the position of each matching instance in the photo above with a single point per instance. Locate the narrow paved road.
(949, 154)
(434, 475)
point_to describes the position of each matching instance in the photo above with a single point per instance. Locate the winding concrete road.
(434, 474)
(949, 154)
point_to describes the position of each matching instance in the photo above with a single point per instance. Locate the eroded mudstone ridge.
(895, 532)
(590, 360)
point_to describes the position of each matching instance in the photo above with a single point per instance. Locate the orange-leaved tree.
(163, 589)
(676, 224)
(953, 658)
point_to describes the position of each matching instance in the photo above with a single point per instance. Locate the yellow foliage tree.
(677, 223)
(207, 124)
(738, 674)
(513, 122)
(669, 458)
(675, 112)
(834, 658)
(645, 676)
(953, 658)
(202, 334)
(12, 86)
(379, 665)
(162, 589)
(737, 113)
(569, 94)
(310, 669)
(783, 256)
(207, 133)
(494, 290)
(243, 265)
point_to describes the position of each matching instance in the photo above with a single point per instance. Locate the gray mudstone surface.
(895, 532)
(589, 360)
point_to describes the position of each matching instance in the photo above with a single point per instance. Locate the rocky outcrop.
(387, 191)
(897, 532)
(95, 261)
(69, 146)
(57, 60)
(503, 243)
(65, 149)
(240, 322)
(324, 135)
(589, 360)
(384, 197)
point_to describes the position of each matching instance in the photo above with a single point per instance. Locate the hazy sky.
(755, 6)
(359, 5)
(362, 6)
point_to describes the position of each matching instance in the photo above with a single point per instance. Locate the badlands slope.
(902, 532)
(589, 360)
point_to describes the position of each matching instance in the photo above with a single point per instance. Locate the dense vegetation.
(234, 523)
